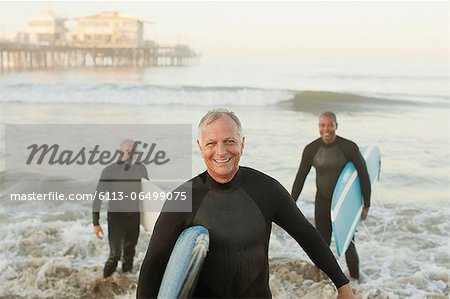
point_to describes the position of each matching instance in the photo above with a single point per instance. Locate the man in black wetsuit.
(329, 154)
(237, 205)
(118, 181)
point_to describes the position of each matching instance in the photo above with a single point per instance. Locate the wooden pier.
(18, 57)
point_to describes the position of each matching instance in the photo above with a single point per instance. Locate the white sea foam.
(399, 253)
(45, 255)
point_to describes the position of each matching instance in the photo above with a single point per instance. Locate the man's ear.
(243, 145)
(200, 147)
(336, 125)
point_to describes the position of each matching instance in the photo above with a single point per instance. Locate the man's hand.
(345, 292)
(365, 211)
(98, 231)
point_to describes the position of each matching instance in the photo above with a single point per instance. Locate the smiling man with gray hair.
(237, 205)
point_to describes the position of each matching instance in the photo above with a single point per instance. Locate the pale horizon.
(389, 31)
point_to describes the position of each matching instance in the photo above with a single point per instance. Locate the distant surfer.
(237, 205)
(329, 154)
(117, 184)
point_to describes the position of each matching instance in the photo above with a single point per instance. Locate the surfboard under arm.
(185, 263)
(347, 200)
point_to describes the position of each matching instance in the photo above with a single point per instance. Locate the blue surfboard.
(347, 200)
(185, 263)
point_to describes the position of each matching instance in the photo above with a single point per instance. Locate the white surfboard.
(150, 209)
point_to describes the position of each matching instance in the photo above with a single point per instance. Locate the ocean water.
(403, 245)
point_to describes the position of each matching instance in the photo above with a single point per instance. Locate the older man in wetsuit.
(238, 205)
(329, 154)
(118, 181)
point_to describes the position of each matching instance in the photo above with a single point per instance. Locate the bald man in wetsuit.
(120, 180)
(237, 205)
(329, 154)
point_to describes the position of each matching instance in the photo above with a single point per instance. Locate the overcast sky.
(273, 30)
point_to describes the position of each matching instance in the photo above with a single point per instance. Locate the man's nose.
(221, 149)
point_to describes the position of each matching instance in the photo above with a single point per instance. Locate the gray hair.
(127, 141)
(214, 115)
(328, 114)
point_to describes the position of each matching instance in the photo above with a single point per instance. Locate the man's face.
(327, 129)
(221, 149)
(126, 148)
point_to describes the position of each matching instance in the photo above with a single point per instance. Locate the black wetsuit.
(239, 216)
(120, 181)
(329, 160)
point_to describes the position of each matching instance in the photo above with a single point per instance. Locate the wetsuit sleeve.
(305, 167)
(364, 180)
(102, 186)
(290, 218)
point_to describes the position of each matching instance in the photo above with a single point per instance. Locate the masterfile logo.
(81, 151)
(52, 154)
(71, 160)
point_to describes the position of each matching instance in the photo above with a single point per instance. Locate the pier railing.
(16, 56)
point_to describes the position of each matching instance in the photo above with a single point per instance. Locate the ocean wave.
(417, 98)
(141, 94)
(186, 95)
(318, 101)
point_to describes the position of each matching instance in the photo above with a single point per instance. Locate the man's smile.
(222, 160)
